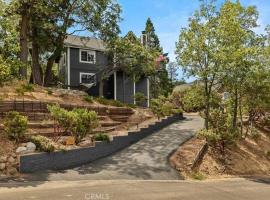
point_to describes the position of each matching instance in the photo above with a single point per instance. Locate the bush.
(4, 71)
(197, 176)
(49, 91)
(102, 137)
(42, 143)
(162, 107)
(78, 122)
(193, 99)
(110, 102)
(89, 99)
(86, 121)
(220, 132)
(140, 99)
(25, 88)
(15, 125)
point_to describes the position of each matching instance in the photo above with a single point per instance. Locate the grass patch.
(197, 176)
(25, 88)
(102, 137)
(89, 99)
(110, 102)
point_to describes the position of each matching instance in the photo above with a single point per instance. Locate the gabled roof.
(84, 42)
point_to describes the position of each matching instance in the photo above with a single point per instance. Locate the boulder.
(11, 160)
(31, 147)
(21, 150)
(2, 166)
(3, 159)
(12, 170)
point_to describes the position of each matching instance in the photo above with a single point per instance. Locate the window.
(87, 56)
(87, 78)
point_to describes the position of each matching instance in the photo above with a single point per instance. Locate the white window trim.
(84, 73)
(90, 62)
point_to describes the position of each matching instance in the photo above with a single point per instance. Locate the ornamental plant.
(15, 126)
(78, 122)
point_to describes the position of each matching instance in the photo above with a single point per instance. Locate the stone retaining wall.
(72, 158)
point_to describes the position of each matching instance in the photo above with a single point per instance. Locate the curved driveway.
(147, 159)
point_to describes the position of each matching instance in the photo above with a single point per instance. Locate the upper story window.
(87, 56)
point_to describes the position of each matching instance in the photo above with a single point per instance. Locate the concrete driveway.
(147, 159)
(232, 189)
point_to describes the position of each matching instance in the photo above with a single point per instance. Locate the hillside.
(249, 157)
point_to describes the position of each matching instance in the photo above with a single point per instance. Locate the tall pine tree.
(159, 83)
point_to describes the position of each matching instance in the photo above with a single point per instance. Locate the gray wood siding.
(141, 86)
(76, 66)
(124, 88)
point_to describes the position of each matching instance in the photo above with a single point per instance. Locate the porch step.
(119, 118)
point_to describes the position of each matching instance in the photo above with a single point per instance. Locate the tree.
(172, 71)
(46, 24)
(159, 82)
(239, 49)
(152, 40)
(196, 50)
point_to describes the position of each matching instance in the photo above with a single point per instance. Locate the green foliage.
(140, 98)
(25, 88)
(133, 58)
(193, 99)
(102, 137)
(89, 99)
(42, 143)
(78, 122)
(4, 71)
(220, 132)
(162, 107)
(197, 176)
(86, 121)
(111, 102)
(255, 135)
(15, 125)
(49, 91)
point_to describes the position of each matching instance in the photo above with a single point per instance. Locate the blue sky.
(169, 16)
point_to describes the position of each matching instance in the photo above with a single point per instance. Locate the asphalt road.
(145, 160)
(233, 189)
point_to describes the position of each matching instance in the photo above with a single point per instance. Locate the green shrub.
(109, 102)
(49, 91)
(193, 99)
(15, 125)
(140, 99)
(86, 121)
(4, 71)
(102, 137)
(197, 176)
(220, 132)
(254, 134)
(162, 107)
(78, 122)
(89, 99)
(42, 143)
(25, 88)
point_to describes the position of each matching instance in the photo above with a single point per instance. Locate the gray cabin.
(82, 63)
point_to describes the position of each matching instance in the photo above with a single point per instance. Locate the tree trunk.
(235, 110)
(36, 68)
(241, 114)
(24, 29)
(207, 110)
(48, 73)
